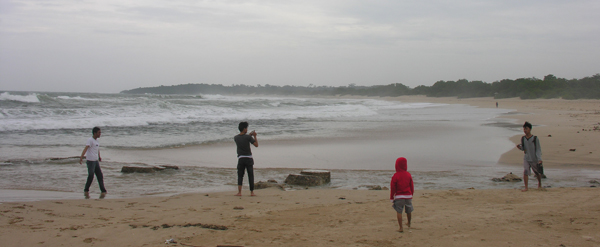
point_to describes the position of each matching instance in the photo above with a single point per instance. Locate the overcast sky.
(112, 45)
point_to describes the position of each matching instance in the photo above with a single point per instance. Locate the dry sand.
(321, 217)
(568, 216)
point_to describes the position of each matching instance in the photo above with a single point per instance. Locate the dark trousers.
(94, 168)
(246, 164)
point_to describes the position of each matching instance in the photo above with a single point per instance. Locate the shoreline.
(560, 124)
(571, 121)
(559, 112)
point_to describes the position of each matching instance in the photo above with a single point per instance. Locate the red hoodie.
(402, 184)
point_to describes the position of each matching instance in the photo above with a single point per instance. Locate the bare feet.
(87, 195)
(102, 195)
(252, 194)
(401, 230)
(238, 194)
(408, 224)
(524, 190)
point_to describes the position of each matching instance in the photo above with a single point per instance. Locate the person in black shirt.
(244, 154)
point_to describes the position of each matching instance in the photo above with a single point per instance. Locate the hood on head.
(401, 164)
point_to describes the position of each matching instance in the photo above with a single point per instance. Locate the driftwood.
(146, 169)
(207, 226)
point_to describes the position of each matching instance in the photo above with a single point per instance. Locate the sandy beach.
(555, 217)
(333, 217)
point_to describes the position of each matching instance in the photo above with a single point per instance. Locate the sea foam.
(30, 98)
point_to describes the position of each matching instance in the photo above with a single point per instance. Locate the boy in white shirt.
(92, 157)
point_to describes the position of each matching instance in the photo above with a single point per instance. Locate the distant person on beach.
(92, 159)
(496, 104)
(532, 160)
(401, 192)
(244, 154)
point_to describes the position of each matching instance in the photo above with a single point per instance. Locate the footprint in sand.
(15, 220)
(89, 240)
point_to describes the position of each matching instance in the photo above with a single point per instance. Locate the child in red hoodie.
(401, 191)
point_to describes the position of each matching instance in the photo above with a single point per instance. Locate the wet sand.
(428, 145)
(561, 125)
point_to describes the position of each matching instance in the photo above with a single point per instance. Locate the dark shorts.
(405, 204)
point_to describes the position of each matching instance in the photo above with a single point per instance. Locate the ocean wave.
(119, 111)
(30, 98)
(73, 98)
(152, 121)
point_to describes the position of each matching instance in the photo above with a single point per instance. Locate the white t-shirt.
(92, 152)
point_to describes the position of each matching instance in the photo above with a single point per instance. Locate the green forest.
(524, 88)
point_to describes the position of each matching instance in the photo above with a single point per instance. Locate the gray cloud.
(108, 46)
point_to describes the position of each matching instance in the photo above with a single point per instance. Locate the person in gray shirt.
(532, 160)
(244, 154)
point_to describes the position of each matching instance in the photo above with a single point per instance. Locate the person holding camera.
(244, 154)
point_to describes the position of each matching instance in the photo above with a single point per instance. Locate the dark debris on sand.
(207, 226)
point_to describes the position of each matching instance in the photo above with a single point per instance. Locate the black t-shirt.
(243, 144)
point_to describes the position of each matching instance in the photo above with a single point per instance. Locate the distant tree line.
(525, 88)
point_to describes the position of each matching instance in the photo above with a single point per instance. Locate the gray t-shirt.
(533, 151)
(243, 144)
